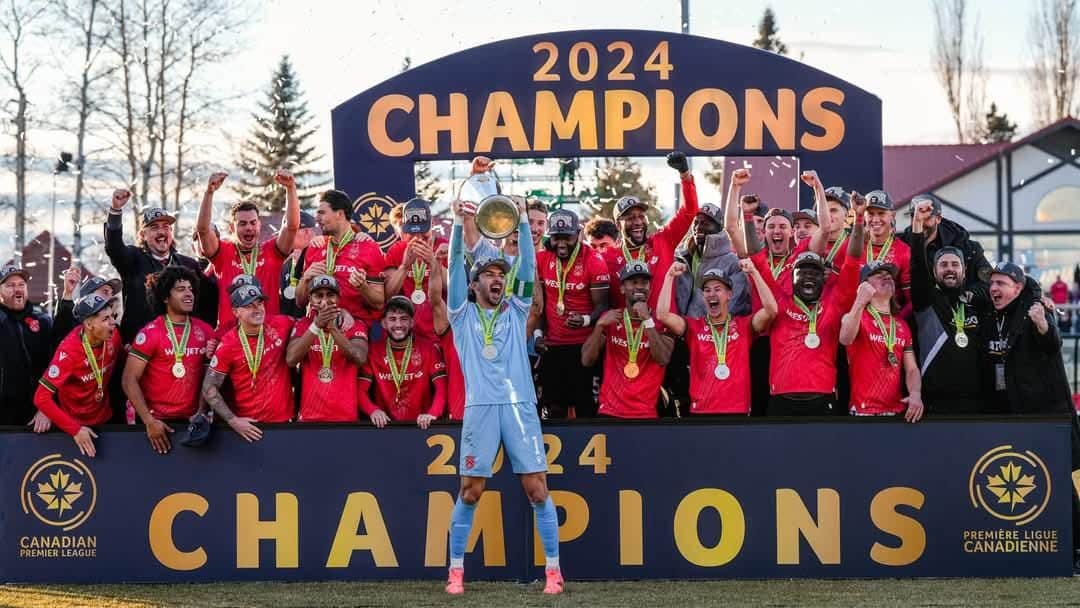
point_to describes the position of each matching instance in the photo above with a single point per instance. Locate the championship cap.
(1010, 270)
(156, 214)
(416, 217)
(627, 203)
(806, 214)
(246, 295)
(879, 199)
(324, 281)
(778, 212)
(713, 212)
(875, 267)
(243, 280)
(635, 268)
(93, 284)
(306, 220)
(715, 274)
(482, 264)
(11, 270)
(89, 306)
(838, 194)
(563, 221)
(809, 258)
(935, 203)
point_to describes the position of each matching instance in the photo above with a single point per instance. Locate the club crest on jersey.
(470, 462)
(213, 361)
(54, 371)
(33, 324)
(140, 339)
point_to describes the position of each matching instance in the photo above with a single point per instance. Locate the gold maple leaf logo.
(60, 493)
(374, 219)
(1010, 486)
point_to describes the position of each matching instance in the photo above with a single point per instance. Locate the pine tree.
(616, 178)
(428, 187)
(768, 34)
(280, 140)
(997, 128)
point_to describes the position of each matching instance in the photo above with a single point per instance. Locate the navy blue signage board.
(636, 501)
(602, 93)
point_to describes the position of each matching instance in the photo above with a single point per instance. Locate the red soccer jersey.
(227, 266)
(455, 379)
(269, 397)
(875, 382)
(360, 254)
(709, 394)
(425, 367)
(624, 397)
(782, 280)
(658, 251)
(169, 397)
(423, 326)
(333, 401)
(588, 272)
(68, 393)
(796, 368)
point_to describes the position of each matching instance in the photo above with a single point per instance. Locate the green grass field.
(1009, 593)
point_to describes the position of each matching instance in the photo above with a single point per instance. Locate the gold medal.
(326, 375)
(560, 309)
(178, 370)
(631, 370)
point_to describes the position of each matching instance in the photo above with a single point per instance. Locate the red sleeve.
(679, 225)
(395, 255)
(270, 250)
(54, 377)
(221, 362)
(366, 379)
(847, 285)
(146, 344)
(597, 269)
(438, 399)
(221, 255)
(373, 258)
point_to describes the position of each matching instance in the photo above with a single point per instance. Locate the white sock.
(552, 563)
(460, 563)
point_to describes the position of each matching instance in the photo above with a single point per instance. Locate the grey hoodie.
(717, 254)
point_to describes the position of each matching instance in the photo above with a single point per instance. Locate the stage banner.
(594, 93)
(636, 501)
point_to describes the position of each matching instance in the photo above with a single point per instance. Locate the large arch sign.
(604, 93)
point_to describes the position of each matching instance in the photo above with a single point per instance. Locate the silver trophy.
(497, 215)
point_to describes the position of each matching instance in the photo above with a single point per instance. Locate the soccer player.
(829, 239)
(405, 370)
(294, 267)
(575, 280)
(407, 272)
(351, 257)
(163, 376)
(636, 350)
(64, 320)
(657, 251)
(806, 222)
(804, 337)
(500, 402)
(329, 354)
(720, 342)
(776, 258)
(878, 342)
(601, 233)
(252, 357)
(73, 392)
(246, 255)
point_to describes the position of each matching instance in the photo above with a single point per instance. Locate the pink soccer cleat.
(554, 584)
(455, 584)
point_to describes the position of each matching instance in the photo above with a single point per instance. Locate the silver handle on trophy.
(497, 215)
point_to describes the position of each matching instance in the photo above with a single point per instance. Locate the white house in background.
(1020, 199)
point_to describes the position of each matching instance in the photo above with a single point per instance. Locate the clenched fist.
(215, 181)
(740, 177)
(285, 178)
(810, 178)
(677, 160)
(120, 197)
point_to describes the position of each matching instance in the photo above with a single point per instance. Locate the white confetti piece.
(791, 184)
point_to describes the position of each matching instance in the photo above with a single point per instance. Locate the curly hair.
(160, 284)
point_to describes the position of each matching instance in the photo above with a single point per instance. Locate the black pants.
(759, 376)
(943, 405)
(677, 381)
(843, 384)
(779, 405)
(567, 383)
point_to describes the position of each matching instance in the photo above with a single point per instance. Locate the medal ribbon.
(890, 335)
(398, 375)
(959, 318)
(560, 274)
(293, 279)
(633, 338)
(95, 367)
(179, 348)
(627, 258)
(777, 269)
(512, 276)
(254, 360)
(811, 314)
(487, 323)
(332, 252)
(870, 257)
(836, 246)
(249, 264)
(720, 340)
(419, 269)
(326, 347)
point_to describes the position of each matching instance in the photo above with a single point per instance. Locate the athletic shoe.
(554, 584)
(455, 584)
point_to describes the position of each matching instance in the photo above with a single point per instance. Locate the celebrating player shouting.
(500, 400)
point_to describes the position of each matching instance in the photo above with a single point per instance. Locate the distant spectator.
(1059, 293)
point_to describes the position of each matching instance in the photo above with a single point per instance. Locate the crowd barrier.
(688, 499)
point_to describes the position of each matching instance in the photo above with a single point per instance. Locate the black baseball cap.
(805, 214)
(949, 250)
(935, 203)
(324, 281)
(778, 212)
(400, 302)
(875, 267)
(715, 274)
(246, 295)
(11, 270)
(156, 214)
(416, 217)
(809, 258)
(563, 221)
(1010, 270)
(93, 284)
(635, 268)
(243, 280)
(713, 212)
(482, 264)
(306, 220)
(90, 305)
(838, 194)
(627, 203)
(879, 199)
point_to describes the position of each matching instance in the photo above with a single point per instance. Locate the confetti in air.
(791, 184)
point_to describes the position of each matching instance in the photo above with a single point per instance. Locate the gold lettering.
(726, 127)
(910, 532)
(815, 112)
(162, 544)
(793, 519)
(580, 117)
(376, 125)
(732, 526)
(624, 110)
(284, 530)
(361, 507)
(501, 120)
(665, 120)
(631, 524)
(432, 123)
(760, 116)
(577, 520)
(487, 523)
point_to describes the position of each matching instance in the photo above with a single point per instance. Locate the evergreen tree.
(616, 178)
(768, 34)
(280, 140)
(428, 187)
(997, 129)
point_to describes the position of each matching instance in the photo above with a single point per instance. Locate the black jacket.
(134, 264)
(952, 380)
(1035, 379)
(27, 338)
(951, 234)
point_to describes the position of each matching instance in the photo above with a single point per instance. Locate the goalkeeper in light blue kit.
(500, 400)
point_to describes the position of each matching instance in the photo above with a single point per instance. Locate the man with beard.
(500, 399)
(252, 357)
(294, 267)
(804, 337)
(719, 342)
(153, 251)
(27, 335)
(404, 379)
(352, 258)
(806, 222)
(880, 349)
(163, 376)
(636, 351)
(947, 313)
(329, 350)
(575, 282)
(246, 255)
(72, 393)
(939, 232)
(407, 272)
(601, 233)
(656, 251)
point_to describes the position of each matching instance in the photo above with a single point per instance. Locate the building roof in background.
(35, 261)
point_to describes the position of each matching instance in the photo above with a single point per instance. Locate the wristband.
(586, 320)
(114, 211)
(649, 323)
(313, 330)
(538, 333)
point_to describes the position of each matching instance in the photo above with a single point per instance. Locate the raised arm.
(436, 282)
(819, 239)
(291, 222)
(921, 280)
(679, 225)
(763, 317)
(670, 320)
(856, 245)
(458, 289)
(114, 233)
(849, 324)
(207, 237)
(733, 216)
(527, 252)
